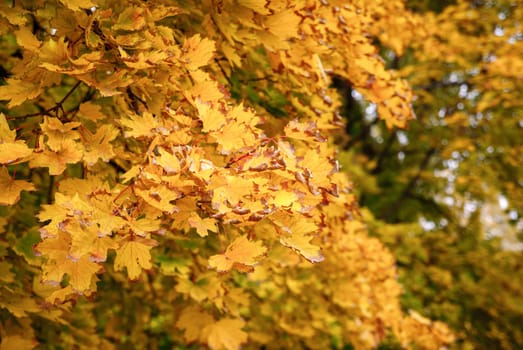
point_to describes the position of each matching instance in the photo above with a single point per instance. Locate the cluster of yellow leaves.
(11, 152)
(198, 177)
(199, 326)
(83, 224)
(307, 41)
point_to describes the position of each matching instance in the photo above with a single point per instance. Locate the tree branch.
(410, 185)
(57, 106)
(383, 153)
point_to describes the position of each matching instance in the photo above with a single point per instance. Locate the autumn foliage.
(153, 196)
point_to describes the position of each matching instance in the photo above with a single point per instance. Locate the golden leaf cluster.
(239, 225)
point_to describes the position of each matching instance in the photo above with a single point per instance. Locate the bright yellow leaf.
(97, 145)
(11, 188)
(256, 5)
(242, 252)
(69, 152)
(193, 321)
(225, 334)
(77, 5)
(135, 256)
(13, 152)
(141, 126)
(19, 91)
(132, 18)
(26, 39)
(57, 132)
(301, 243)
(206, 286)
(202, 226)
(18, 342)
(212, 119)
(168, 161)
(197, 52)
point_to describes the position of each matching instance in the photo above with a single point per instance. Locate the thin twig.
(223, 72)
(58, 105)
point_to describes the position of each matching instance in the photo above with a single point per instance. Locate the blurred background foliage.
(446, 195)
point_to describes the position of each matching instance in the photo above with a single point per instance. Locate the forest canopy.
(261, 174)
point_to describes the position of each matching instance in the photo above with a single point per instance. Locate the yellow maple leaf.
(13, 152)
(259, 6)
(159, 12)
(71, 70)
(168, 161)
(317, 169)
(202, 226)
(159, 197)
(11, 188)
(91, 111)
(81, 272)
(19, 91)
(59, 295)
(82, 239)
(57, 160)
(135, 256)
(193, 321)
(204, 88)
(241, 252)
(302, 131)
(234, 136)
(294, 224)
(6, 134)
(26, 39)
(100, 246)
(98, 145)
(54, 248)
(226, 334)
(106, 221)
(144, 224)
(77, 5)
(57, 132)
(284, 24)
(180, 137)
(132, 18)
(197, 52)
(284, 198)
(111, 85)
(206, 286)
(301, 243)
(141, 126)
(19, 342)
(18, 305)
(54, 51)
(243, 115)
(212, 119)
